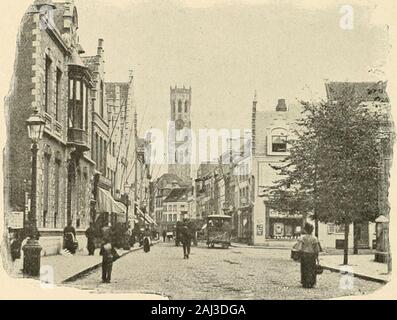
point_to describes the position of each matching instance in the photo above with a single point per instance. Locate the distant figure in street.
(69, 238)
(90, 234)
(146, 241)
(186, 239)
(309, 248)
(109, 254)
(164, 235)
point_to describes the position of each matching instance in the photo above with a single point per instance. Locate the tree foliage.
(332, 171)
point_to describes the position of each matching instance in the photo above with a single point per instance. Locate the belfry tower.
(180, 125)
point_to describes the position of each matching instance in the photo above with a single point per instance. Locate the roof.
(178, 195)
(169, 178)
(364, 91)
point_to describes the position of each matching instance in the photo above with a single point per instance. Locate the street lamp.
(32, 249)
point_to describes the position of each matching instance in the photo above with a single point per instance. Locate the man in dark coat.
(109, 254)
(69, 236)
(90, 234)
(186, 239)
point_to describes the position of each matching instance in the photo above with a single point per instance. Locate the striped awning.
(106, 203)
(147, 217)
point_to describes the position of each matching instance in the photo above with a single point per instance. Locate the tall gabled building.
(51, 79)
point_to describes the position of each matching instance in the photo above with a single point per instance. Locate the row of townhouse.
(84, 156)
(237, 188)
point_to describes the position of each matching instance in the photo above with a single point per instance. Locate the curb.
(259, 247)
(358, 275)
(97, 266)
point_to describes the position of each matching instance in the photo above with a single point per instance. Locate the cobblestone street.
(235, 273)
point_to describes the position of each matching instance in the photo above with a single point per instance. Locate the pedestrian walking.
(164, 235)
(90, 234)
(109, 255)
(309, 248)
(186, 239)
(146, 241)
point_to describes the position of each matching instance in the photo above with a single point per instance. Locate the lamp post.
(32, 249)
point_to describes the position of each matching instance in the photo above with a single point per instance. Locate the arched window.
(180, 106)
(186, 106)
(279, 140)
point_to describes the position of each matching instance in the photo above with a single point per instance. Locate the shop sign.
(259, 229)
(16, 220)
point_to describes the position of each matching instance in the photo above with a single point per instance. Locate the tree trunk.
(355, 239)
(316, 226)
(346, 248)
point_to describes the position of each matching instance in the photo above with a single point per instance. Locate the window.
(174, 217)
(173, 106)
(46, 175)
(179, 106)
(78, 90)
(57, 183)
(47, 82)
(58, 93)
(334, 228)
(84, 98)
(279, 143)
(71, 89)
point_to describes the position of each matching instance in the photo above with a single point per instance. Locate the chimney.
(100, 47)
(281, 106)
(253, 123)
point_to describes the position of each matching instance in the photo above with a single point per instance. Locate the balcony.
(78, 138)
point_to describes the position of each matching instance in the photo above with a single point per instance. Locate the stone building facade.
(50, 78)
(180, 145)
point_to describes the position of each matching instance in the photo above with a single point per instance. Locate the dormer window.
(279, 144)
(277, 141)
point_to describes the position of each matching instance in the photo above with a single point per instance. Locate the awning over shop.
(146, 216)
(106, 203)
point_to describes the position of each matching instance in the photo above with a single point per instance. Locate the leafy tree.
(332, 172)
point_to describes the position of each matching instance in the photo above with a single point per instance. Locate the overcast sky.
(225, 51)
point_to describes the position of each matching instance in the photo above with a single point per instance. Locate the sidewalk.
(64, 268)
(363, 266)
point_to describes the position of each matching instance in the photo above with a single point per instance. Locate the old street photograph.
(198, 150)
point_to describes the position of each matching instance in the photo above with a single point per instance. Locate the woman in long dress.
(309, 248)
